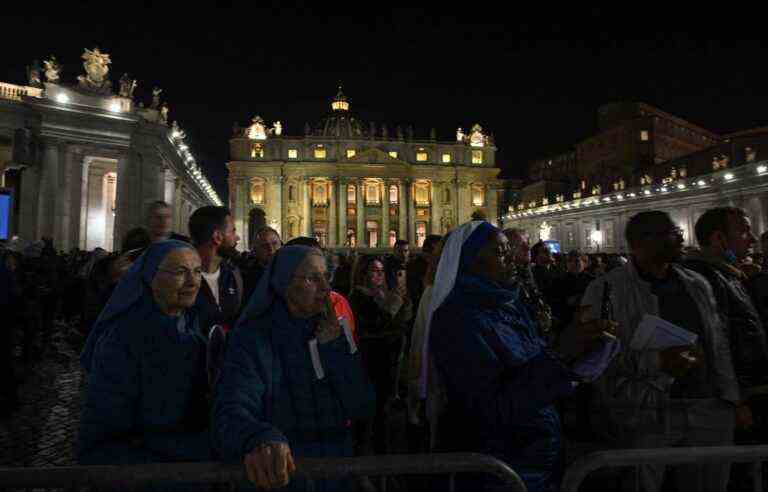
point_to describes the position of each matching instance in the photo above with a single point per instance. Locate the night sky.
(534, 80)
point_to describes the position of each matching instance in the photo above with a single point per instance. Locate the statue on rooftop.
(127, 86)
(52, 70)
(33, 74)
(164, 113)
(156, 91)
(96, 66)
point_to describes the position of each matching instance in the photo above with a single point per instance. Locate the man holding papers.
(674, 383)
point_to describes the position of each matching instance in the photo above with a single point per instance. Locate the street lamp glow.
(701, 182)
(115, 107)
(762, 169)
(647, 192)
(62, 98)
(728, 176)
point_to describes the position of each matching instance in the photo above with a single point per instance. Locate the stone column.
(402, 232)
(82, 202)
(63, 216)
(411, 202)
(360, 213)
(307, 208)
(464, 199)
(384, 226)
(277, 204)
(48, 190)
(333, 212)
(128, 194)
(435, 210)
(111, 243)
(492, 204)
(29, 197)
(341, 185)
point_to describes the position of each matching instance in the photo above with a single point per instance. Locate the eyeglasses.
(377, 270)
(316, 278)
(183, 273)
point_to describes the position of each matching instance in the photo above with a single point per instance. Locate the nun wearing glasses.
(292, 381)
(147, 383)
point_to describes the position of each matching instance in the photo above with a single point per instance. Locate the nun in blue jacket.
(146, 396)
(498, 374)
(292, 381)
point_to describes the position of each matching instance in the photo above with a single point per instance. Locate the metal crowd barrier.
(581, 468)
(136, 476)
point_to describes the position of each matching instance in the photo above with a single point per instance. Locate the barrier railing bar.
(581, 468)
(169, 473)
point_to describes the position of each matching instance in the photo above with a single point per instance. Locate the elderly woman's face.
(177, 281)
(307, 294)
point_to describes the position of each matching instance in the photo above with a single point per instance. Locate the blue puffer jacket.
(501, 382)
(269, 391)
(146, 395)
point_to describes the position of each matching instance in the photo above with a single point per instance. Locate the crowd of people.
(484, 343)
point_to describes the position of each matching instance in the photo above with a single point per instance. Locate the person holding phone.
(383, 316)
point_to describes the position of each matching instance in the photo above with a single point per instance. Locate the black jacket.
(749, 351)
(230, 300)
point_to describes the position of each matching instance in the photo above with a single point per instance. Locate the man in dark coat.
(221, 291)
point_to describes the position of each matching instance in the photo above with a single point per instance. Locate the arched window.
(351, 194)
(421, 193)
(393, 194)
(257, 191)
(478, 195)
(257, 151)
(291, 193)
(372, 194)
(421, 233)
(372, 229)
(319, 194)
(446, 195)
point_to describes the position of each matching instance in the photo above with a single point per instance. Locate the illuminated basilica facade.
(355, 184)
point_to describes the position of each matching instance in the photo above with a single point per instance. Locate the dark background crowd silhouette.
(477, 342)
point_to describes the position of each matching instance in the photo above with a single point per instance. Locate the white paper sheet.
(654, 333)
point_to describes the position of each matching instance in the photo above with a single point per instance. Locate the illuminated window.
(351, 194)
(257, 192)
(372, 231)
(351, 239)
(477, 157)
(350, 153)
(372, 194)
(392, 238)
(478, 195)
(320, 153)
(320, 232)
(293, 154)
(421, 189)
(421, 155)
(393, 194)
(446, 158)
(421, 233)
(291, 193)
(257, 151)
(319, 194)
(393, 154)
(644, 135)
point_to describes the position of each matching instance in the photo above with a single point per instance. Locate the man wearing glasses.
(675, 396)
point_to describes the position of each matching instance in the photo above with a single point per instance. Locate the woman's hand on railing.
(270, 465)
